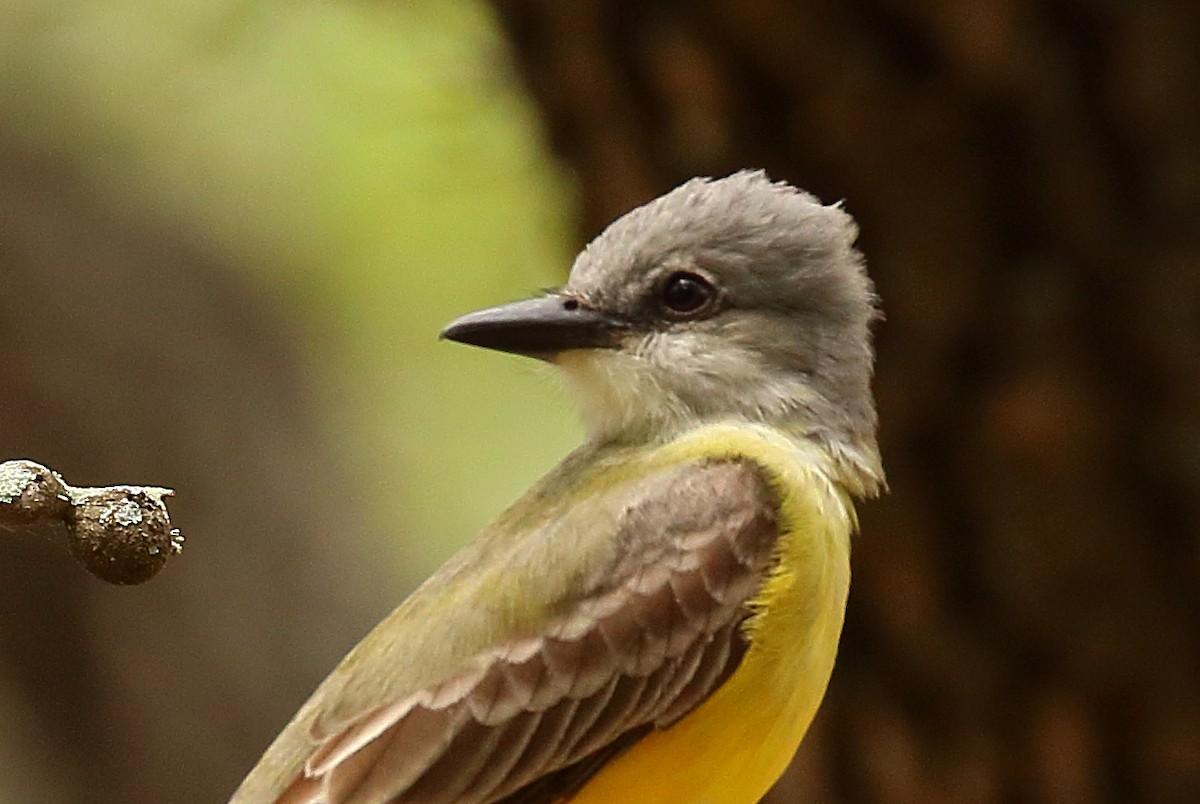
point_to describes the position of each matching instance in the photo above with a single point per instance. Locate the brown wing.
(533, 719)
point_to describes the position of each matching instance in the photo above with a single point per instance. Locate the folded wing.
(645, 637)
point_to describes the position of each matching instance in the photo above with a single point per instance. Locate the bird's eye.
(687, 294)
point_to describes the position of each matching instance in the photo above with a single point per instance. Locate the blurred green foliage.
(378, 170)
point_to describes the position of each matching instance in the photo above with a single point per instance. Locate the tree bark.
(1023, 616)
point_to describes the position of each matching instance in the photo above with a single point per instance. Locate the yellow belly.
(733, 747)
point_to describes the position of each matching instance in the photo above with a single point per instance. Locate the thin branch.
(121, 534)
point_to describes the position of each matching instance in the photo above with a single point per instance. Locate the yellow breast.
(733, 747)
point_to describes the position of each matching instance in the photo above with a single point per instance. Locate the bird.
(656, 619)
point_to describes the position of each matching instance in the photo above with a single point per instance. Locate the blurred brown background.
(1025, 616)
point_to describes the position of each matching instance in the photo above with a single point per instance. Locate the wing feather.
(588, 716)
(555, 722)
(498, 765)
(646, 639)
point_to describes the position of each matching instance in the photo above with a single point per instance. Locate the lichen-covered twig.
(121, 534)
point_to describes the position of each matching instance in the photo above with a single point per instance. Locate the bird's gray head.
(735, 298)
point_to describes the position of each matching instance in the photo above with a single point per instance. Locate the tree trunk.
(1023, 622)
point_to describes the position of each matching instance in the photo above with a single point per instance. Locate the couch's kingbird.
(656, 620)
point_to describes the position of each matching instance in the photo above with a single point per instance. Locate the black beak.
(539, 327)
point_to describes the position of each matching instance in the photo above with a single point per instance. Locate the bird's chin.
(617, 395)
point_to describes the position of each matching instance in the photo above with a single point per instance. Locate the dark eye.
(687, 294)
